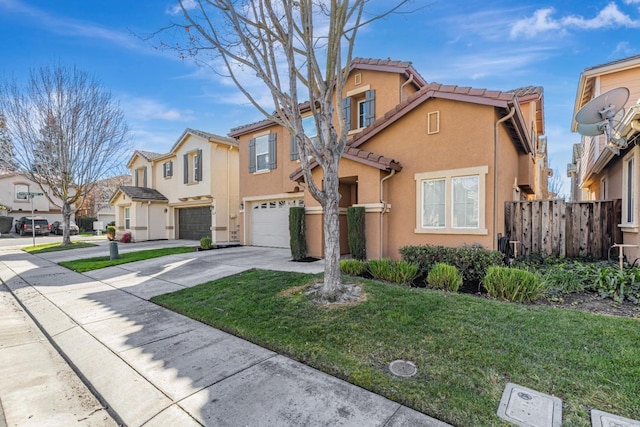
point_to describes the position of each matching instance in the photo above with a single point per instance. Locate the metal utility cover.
(529, 408)
(604, 419)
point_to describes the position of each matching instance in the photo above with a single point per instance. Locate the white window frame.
(362, 113)
(309, 124)
(21, 188)
(193, 161)
(629, 191)
(127, 218)
(448, 175)
(168, 172)
(260, 139)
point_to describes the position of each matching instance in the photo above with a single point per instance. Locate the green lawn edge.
(466, 348)
(96, 263)
(55, 247)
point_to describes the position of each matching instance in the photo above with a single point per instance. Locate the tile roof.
(526, 91)
(617, 61)
(360, 156)
(142, 193)
(204, 135)
(388, 65)
(148, 155)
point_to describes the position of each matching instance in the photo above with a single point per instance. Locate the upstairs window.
(192, 167)
(359, 110)
(262, 153)
(629, 188)
(167, 169)
(140, 177)
(21, 193)
(310, 130)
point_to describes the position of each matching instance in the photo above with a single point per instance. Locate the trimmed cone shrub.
(356, 232)
(297, 237)
(513, 284)
(444, 276)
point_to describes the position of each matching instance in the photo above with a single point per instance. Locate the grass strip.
(55, 247)
(96, 263)
(466, 348)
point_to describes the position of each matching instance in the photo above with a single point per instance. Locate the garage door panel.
(194, 223)
(270, 224)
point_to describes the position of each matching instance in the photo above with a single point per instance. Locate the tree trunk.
(332, 276)
(66, 217)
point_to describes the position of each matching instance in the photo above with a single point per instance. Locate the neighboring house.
(602, 171)
(13, 185)
(431, 164)
(96, 204)
(189, 193)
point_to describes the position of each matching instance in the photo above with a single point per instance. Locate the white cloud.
(623, 49)
(543, 21)
(65, 26)
(187, 4)
(148, 109)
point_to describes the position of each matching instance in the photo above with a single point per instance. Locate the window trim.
(15, 192)
(127, 218)
(257, 154)
(633, 157)
(448, 175)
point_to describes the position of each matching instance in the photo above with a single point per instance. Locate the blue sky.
(497, 45)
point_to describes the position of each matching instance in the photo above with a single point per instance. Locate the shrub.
(356, 232)
(85, 223)
(393, 271)
(444, 276)
(297, 237)
(513, 284)
(111, 232)
(205, 242)
(471, 261)
(126, 238)
(353, 267)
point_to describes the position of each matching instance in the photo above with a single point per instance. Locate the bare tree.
(7, 162)
(297, 49)
(67, 133)
(556, 185)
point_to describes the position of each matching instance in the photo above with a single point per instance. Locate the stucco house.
(431, 163)
(600, 170)
(13, 185)
(188, 193)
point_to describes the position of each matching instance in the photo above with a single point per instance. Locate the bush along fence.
(561, 229)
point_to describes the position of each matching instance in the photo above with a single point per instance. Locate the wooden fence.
(558, 228)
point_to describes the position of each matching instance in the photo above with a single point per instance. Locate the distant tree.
(556, 185)
(7, 162)
(67, 133)
(299, 50)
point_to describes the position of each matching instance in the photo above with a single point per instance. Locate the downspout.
(410, 80)
(495, 172)
(384, 207)
(148, 219)
(228, 197)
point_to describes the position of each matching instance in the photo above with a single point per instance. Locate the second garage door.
(270, 223)
(194, 223)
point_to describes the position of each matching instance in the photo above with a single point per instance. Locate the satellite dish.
(594, 129)
(603, 107)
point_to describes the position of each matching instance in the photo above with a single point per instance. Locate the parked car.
(41, 226)
(57, 227)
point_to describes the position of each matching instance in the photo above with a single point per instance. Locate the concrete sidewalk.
(157, 368)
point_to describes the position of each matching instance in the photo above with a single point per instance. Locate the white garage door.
(270, 223)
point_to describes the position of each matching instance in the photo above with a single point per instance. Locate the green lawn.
(55, 247)
(88, 264)
(466, 348)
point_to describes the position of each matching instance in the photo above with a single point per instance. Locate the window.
(21, 190)
(629, 188)
(262, 153)
(140, 177)
(167, 169)
(451, 201)
(192, 167)
(127, 218)
(364, 102)
(310, 130)
(433, 211)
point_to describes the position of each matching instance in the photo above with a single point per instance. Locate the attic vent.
(357, 79)
(433, 122)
